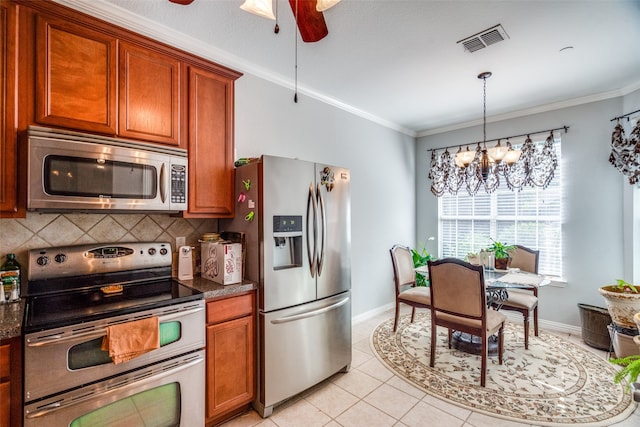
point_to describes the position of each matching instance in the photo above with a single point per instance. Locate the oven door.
(56, 360)
(167, 394)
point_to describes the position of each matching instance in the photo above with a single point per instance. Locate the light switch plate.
(180, 241)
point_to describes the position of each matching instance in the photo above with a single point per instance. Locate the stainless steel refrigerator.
(297, 222)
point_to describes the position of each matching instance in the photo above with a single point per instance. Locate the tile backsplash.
(40, 230)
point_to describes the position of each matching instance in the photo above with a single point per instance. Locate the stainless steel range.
(75, 294)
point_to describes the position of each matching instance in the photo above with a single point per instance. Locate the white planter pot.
(622, 306)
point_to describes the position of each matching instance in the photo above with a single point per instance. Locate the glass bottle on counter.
(10, 277)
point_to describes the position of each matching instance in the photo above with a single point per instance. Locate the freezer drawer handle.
(310, 313)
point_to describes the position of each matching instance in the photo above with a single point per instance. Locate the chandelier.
(483, 167)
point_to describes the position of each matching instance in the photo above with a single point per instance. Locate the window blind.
(531, 217)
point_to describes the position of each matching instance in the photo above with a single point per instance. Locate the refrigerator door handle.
(311, 313)
(311, 203)
(323, 221)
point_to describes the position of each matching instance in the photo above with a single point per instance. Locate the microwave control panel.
(178, 184)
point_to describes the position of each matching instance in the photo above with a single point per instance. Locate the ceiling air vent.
(484, 38)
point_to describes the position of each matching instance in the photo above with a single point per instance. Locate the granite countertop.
(11, 314)
(215, 290)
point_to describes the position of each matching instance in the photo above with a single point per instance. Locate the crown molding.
(536, 110)
(141, 25)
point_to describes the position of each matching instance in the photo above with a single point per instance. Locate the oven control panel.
(49, 263)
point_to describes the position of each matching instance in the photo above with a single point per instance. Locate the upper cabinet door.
(149, 97)
(76, 76)
(211, 173)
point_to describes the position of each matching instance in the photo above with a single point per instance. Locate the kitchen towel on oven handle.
(126, 341)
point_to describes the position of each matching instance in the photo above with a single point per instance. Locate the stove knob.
(60, 258)
(163, 251)
(42, 260)
(152, 251)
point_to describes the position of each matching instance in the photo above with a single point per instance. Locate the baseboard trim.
(513, 317)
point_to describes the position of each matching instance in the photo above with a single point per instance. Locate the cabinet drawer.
(229, 308)
(5, 360)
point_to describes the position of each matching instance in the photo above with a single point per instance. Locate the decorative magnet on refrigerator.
(247, 184)
(249, 216)
(327, 177)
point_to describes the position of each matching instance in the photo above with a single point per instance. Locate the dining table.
(497, 284)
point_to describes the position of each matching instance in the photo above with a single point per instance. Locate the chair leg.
(500, 343)
(433, 343)
(526, 331)
(413, 314)
(395, 322)
(449, 335)
(483, 366)
(535, 321)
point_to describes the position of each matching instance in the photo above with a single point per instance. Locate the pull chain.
(295, 95)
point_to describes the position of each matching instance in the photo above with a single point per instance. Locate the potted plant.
(473, 258)
(630, 368)
(500, 253)
(420, 260)
(623, 302)
(630, 364)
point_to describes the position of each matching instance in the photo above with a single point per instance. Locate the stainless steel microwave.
(72, 171)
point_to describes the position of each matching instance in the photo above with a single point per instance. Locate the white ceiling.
(397, 61)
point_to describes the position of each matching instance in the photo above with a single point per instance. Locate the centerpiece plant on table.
(501, 253)
(420, 259)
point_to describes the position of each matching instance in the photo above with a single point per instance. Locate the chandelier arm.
(565, 128)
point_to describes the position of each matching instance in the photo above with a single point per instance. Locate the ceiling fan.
(308, 14)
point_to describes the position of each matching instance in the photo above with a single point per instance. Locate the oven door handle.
(58, 405)
(58, 338)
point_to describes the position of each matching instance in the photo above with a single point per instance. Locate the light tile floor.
(370, 395)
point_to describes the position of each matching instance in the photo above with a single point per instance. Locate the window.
(531, 218)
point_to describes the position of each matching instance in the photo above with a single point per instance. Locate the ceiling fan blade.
(182, 2)
(310, 22)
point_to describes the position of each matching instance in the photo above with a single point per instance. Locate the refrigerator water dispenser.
(287, 241)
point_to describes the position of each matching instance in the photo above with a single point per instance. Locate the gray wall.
(593, 225)
(382, 172)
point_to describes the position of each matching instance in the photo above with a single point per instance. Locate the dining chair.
(404, 277)
(524, 300)
(458, 302)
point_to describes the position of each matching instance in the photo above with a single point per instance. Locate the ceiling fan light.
(323, 5)
(262, 8)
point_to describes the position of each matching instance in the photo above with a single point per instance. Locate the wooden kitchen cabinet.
(8, 117)
(76, 71)
(211, 169)
(10, 383)
(85, 74)
(230, 366)
(149, 96)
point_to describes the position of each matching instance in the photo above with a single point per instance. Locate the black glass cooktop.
(54, 310)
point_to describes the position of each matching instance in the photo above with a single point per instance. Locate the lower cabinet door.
(230, 366)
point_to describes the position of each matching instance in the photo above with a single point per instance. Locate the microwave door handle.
(163, 182)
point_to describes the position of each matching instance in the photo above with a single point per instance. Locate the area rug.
(553, 383)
